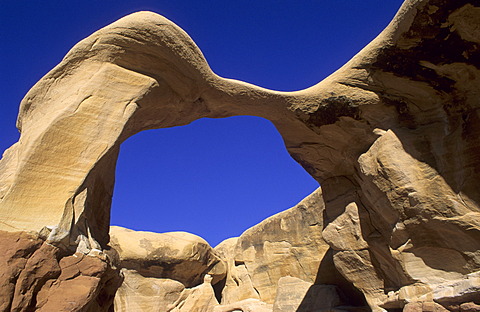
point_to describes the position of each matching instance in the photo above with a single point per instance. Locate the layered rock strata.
(392, 137)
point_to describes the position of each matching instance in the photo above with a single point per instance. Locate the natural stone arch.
(392, 137)
(139, 73)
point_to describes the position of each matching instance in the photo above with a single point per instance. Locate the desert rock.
(293, 294)
(287, 244)
(139, 293)
(238, 283)
(199, 299)
(392, 137)
(179, 256)
(247, 305)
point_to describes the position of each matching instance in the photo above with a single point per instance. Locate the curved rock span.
(393, 137)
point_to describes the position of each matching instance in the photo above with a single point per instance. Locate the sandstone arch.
(129, 85)
(392, 137)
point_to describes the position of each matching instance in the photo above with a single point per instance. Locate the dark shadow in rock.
(322, 298)
(453, 155)
(218, 288)
(329, 275)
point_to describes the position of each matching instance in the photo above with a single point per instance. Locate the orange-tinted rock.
(40, 267)
(16, 248)
(68, 295)
(34, 280)
(469, 307)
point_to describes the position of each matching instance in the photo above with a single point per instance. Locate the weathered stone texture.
(37, 276)
(180, 256)
(392, 137)
(287, 244)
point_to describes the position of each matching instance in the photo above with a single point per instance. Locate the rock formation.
(272, 266)
(392, 137)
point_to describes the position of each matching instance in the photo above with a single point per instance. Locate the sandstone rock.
(358, 268)
(469, 307)
(464, 290)
(293, 294)
(139, 293)
(199, 299)
(39, 268)
(238, 283)
(256, 264)
(417, 202)
(287, 244)
(179, 256)
(424, 307)
(76, 294)
(392, 137)
(86, 283)
(344, 233)
(16, 249)
(247, 305)
(37, 277)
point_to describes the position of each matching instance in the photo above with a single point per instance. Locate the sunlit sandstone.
(393, 137)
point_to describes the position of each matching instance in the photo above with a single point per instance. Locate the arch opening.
(214, 178)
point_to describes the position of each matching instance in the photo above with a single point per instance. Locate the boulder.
(178, 256)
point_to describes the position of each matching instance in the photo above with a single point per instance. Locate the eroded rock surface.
(287, 244)
(392, 137)
(294, 294)
(140, 293)
(180, 256)
(273, 266)
(37, 276)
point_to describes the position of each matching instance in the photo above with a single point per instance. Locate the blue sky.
(213, 178)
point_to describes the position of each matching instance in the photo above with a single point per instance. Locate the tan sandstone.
(179, 256)
(392, 137)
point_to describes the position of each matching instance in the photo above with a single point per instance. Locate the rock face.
(140, 293)
(287, 244)
(36, 276)
(158, 268)
(393, 138)
(293, 294)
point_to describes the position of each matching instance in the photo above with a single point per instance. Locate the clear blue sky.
(213, 178)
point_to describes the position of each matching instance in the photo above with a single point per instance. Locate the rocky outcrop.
(180, 256)
(165, 271)
(37, 276)
(287, 244)
(279, 265)
(392, 137)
